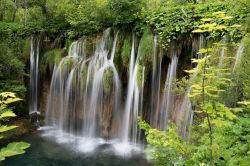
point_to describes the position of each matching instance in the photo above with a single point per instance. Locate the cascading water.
(62, 103)
(76, 99)
(34, 75)
(94, 94)
(167, 104)
(155, 83)
(186, 110)
(86, 102)
(222, 51)
(132, 104)
(238, 55)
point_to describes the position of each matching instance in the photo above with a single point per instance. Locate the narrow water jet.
(238, 55)
(34, 75)
(222, 51)
(132, 102)
(168, 97)
(155, 84)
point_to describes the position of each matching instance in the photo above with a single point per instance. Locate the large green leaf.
(11, 100)
(7, 114)
(6, 128)
(13, 149)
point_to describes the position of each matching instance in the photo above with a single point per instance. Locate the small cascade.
(238, 55)
(168, 100)
(34, 75)
(155, 83)
(186, 111)
(222, 51)
(132, 104)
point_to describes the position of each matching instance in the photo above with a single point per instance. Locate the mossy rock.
(126, 52)
(69, 62)
(139, 76)
(90, 45)
(108, 81)
(84, 75)
(147, 47)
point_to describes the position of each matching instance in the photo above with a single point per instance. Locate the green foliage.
(171, 22)
(125, 11)
(166, 147)
(14, 148)
(14, 86)
(12, 64)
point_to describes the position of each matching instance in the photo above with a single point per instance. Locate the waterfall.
(76, 101)
(155, 83)
(186, 110)
(238, 55)
(34, 75)
(132, 103)
(94, 100)
(168, 102)
(62, 101)
(222, 51)
(87, 101)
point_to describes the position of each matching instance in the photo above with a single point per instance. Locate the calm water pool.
(45, 151)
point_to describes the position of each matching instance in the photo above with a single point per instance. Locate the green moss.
(108, 81)
(68, 63)
(26, 49)
(84, 77)
(147, 47)
(126, 52)
(139, 76)
(90, 45)
(51, 58)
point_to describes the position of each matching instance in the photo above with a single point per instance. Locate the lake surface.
(52, 149)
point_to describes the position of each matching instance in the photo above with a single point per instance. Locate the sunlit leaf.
(206, 19)
(11, 100)
(6, 128)
(8, 94)
(7, 114)
(13, 149)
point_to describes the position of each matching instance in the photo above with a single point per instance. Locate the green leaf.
(8, 94)
(6, 128)
(199, 31)
(11, 100)
(13, 149)
(7, 114)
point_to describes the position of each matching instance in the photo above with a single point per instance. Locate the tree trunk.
(15, 10)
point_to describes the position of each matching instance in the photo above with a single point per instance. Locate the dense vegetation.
(221, 131)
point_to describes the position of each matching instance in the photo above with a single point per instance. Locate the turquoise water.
(46, 152)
